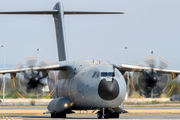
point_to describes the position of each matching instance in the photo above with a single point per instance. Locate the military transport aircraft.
(81, 85)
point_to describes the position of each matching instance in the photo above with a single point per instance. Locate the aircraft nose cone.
(108, 90)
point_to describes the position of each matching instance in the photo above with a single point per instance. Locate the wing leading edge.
(59, 66)
(134, 68)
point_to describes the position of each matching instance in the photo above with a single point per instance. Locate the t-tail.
(58, 14)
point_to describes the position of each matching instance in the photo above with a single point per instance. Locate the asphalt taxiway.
(45, 108)
(84, 117)
(136, 110)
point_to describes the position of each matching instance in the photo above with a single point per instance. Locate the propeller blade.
(163, 63)
(31, 62)
(150, 61)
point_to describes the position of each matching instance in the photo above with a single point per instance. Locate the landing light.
(65, 105)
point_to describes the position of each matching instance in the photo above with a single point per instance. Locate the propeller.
(33, 77)
(31, 83)
(149, 82)
(34, 80)
(150, 76)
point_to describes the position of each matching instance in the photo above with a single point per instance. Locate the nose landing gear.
(106, 114)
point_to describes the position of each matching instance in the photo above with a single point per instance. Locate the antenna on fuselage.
(58, 14)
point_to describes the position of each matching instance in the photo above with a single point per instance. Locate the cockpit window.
(110, 74)
(105, 74)
(97, 75)
(94, 74)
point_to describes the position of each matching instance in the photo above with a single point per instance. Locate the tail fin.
(60, 31)
(58, 14)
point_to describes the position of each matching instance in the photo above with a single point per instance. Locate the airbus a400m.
(81, 85)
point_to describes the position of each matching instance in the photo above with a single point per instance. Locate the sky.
(146, 26)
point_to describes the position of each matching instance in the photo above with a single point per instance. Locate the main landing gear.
(58, 115)
(107, 114)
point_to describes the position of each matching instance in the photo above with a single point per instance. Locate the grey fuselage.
(85, 86)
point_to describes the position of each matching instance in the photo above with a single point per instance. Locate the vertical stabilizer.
(58, 14)
(60, 31)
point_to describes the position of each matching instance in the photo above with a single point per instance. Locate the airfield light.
(127, 72)
(127, 54)
(65, 105)
(152, 64)
(4, 75)
(152, 52)
(38, 49)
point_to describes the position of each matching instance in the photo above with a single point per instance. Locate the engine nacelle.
(60, 104)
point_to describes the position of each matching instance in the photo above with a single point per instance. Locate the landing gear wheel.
(107, 114)
(53, 115)
(114, 115)
(61, 115)
(58, 115)
(99, 115)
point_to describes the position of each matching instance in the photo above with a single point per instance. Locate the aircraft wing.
(59, 66)
(135, 68)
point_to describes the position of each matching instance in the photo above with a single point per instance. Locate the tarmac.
(85, 116)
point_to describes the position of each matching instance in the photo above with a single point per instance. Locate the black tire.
(114, 115)
(58, 115)
(107, 115)
(99, 115)
(53, 115)
(61, 115)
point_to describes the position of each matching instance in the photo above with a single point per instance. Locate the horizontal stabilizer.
(31, 12)
(56, 12)
(88, 12)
